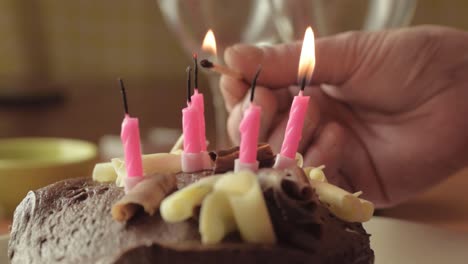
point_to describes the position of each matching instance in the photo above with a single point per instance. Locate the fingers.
(347, 162)
(233, 91)
(277, 134)
(264, 98)
(279, 63)
(337, 58)
(360, 173)
(327, 150)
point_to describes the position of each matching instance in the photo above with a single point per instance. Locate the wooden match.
(221, 69)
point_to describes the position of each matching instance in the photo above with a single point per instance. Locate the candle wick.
(124, 96)
(254, 83)
(303, 83)
(195, 70)
(189, 80)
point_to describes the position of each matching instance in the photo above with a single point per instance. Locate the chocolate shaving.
(300, 219)
(224, 159)
(147, 194)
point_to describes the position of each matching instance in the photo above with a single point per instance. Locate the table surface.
(445, 206)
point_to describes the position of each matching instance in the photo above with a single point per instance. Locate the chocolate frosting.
(70, 222)
(301, 220)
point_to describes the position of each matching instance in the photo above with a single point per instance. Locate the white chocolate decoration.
(119, 167)
(216, 218)
(343, 204)
(104, 172)
(178, 145)
(249, 207)
(229, 202)
(299, 160)
(177, 152)
(316, 173)
(152, 163)
(367, 211)
(180, 205)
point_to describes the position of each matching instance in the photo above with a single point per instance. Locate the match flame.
(307, 59)
(209, 43)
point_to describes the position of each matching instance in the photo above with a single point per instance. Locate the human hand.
(387, 113)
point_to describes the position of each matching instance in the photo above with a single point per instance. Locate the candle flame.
(307, 59)
(209, 43)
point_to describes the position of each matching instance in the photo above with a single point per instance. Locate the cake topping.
(147, 194)
(216, 218)
(248, 206)
(316, 173)
(343, 204)
(224, 159)
(104, 172)
(167, 163)
(180, 205)
(232, 201)
(157, 163)
(299, 217)
(292, 204)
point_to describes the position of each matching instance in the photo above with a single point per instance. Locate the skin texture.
(387, 114)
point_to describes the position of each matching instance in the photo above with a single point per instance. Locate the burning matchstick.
(221, 69)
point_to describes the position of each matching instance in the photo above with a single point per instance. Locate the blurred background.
(60, 60)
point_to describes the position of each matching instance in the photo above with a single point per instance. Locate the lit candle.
(193, 157)
(130, 136)
(198, 103)
(293, 133)
(249, 129)
(294, 127)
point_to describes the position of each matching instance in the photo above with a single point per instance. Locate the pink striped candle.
(293, 133)
(130, 136)
(249, 129)
(198, 103)
(191, 130)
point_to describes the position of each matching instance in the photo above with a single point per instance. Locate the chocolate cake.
(70, 222)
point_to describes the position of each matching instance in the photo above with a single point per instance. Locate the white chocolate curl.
(299, 160)
(158, 163)
(249, 207)
(152, 163)
(216, 218)
(229, 202)
(104, 172)
(343, 204)
(147, 194)
(178, 145)
(180, 205)
(316, 173)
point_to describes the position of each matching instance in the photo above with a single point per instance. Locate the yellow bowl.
(30, 163)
